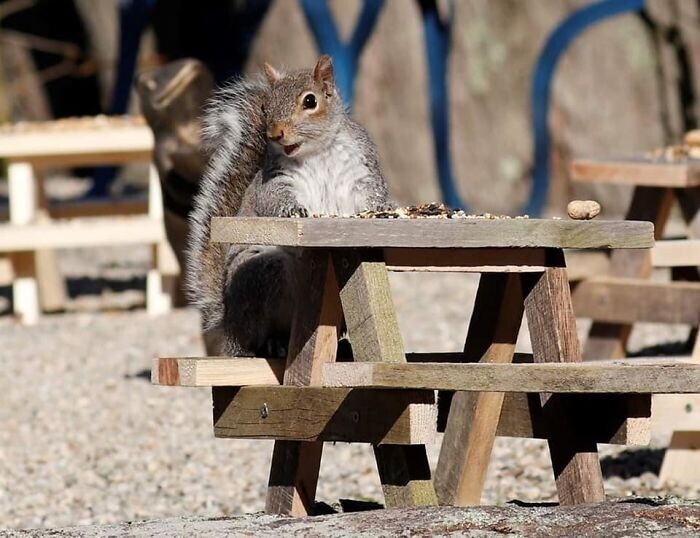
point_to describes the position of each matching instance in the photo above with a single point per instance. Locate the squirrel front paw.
(294, 211)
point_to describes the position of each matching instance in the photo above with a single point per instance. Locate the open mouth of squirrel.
(291, 148)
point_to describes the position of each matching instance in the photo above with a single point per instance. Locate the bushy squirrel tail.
(234, 134)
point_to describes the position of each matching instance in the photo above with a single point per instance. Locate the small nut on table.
(583, 209)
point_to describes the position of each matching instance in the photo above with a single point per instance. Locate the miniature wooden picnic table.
(627, 295)
(386, 397)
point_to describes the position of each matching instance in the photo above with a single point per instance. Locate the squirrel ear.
(271, 73)
(323, 73)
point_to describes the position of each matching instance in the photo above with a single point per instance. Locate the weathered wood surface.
(474, 417)
(217, 371)
(374, 335)
(609, 340)
(637, 171)
(325, 414)
(552, 326)
(630, 517)
(313, 342)
(620, 300)
(431, 233)
(618, 419)
(653, 376)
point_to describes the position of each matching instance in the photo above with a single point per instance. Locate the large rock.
(641, 517)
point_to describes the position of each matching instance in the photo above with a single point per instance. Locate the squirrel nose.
(276, 135)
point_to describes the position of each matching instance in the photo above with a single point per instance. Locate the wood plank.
(501, 260)
(7, 274)
(620, 300)
(431, 233)
(552, 327)
(681, 463)
(672, 412)
(374, 336)
(217, 371)
(81, 233)
(582, 264)
(619, 419)
(313, 342)
(621, 376)
(48, 144)
(609, 340)
(325, 414)
(473, 418)
(637, 171)
(676, 253)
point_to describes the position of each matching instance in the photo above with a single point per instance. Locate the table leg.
(552, 328)
(23, 197)
(313, 342)
(160, 280)
(609, 340)
(473, 417)
(374, 336)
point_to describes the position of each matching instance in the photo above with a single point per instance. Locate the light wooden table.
(35, 230)
(627, 295)
(386, 396)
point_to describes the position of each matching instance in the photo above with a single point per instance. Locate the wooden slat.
(473, 417)
(81, 233)
(653, 377)
(619, 419)
(216, 371)
(620, 300)
(313, 342)
(37, 145)
(501, 260)
(676, 253)
(552, 326)
(637, 171)
(325, 414)
(431, 233)
(672, 412)
(374, 335)
(609, 340)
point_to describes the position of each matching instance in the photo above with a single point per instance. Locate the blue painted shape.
(437, 45)
(345, 56)
(555, 46)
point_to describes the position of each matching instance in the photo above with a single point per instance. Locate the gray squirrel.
(281, 145)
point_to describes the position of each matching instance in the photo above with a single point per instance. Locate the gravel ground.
(85, 438)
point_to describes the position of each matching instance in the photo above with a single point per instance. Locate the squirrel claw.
(298, 212)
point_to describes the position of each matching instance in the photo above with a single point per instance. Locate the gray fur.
(248, 292)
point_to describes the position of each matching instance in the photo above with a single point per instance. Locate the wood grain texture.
(681, 463)
(374, 336)
(665, 376)
(369, 312)
(628, 300)
(325, 414)
(619, 419)
(431, 233)
(217, 371)
(637, 171)
(609, 340)
(552, 327)
(313, 342)
(473, 419)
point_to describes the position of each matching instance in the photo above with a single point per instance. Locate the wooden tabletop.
(432, 233)
(640, 171)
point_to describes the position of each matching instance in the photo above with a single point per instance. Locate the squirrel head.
(303, 109)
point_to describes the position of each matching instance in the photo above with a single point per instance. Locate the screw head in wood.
(264, 411)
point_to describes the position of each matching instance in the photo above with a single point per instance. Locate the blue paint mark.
(556, 45)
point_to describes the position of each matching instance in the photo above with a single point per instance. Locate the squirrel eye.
(309, 102)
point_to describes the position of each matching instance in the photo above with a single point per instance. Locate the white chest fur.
(329, 183)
